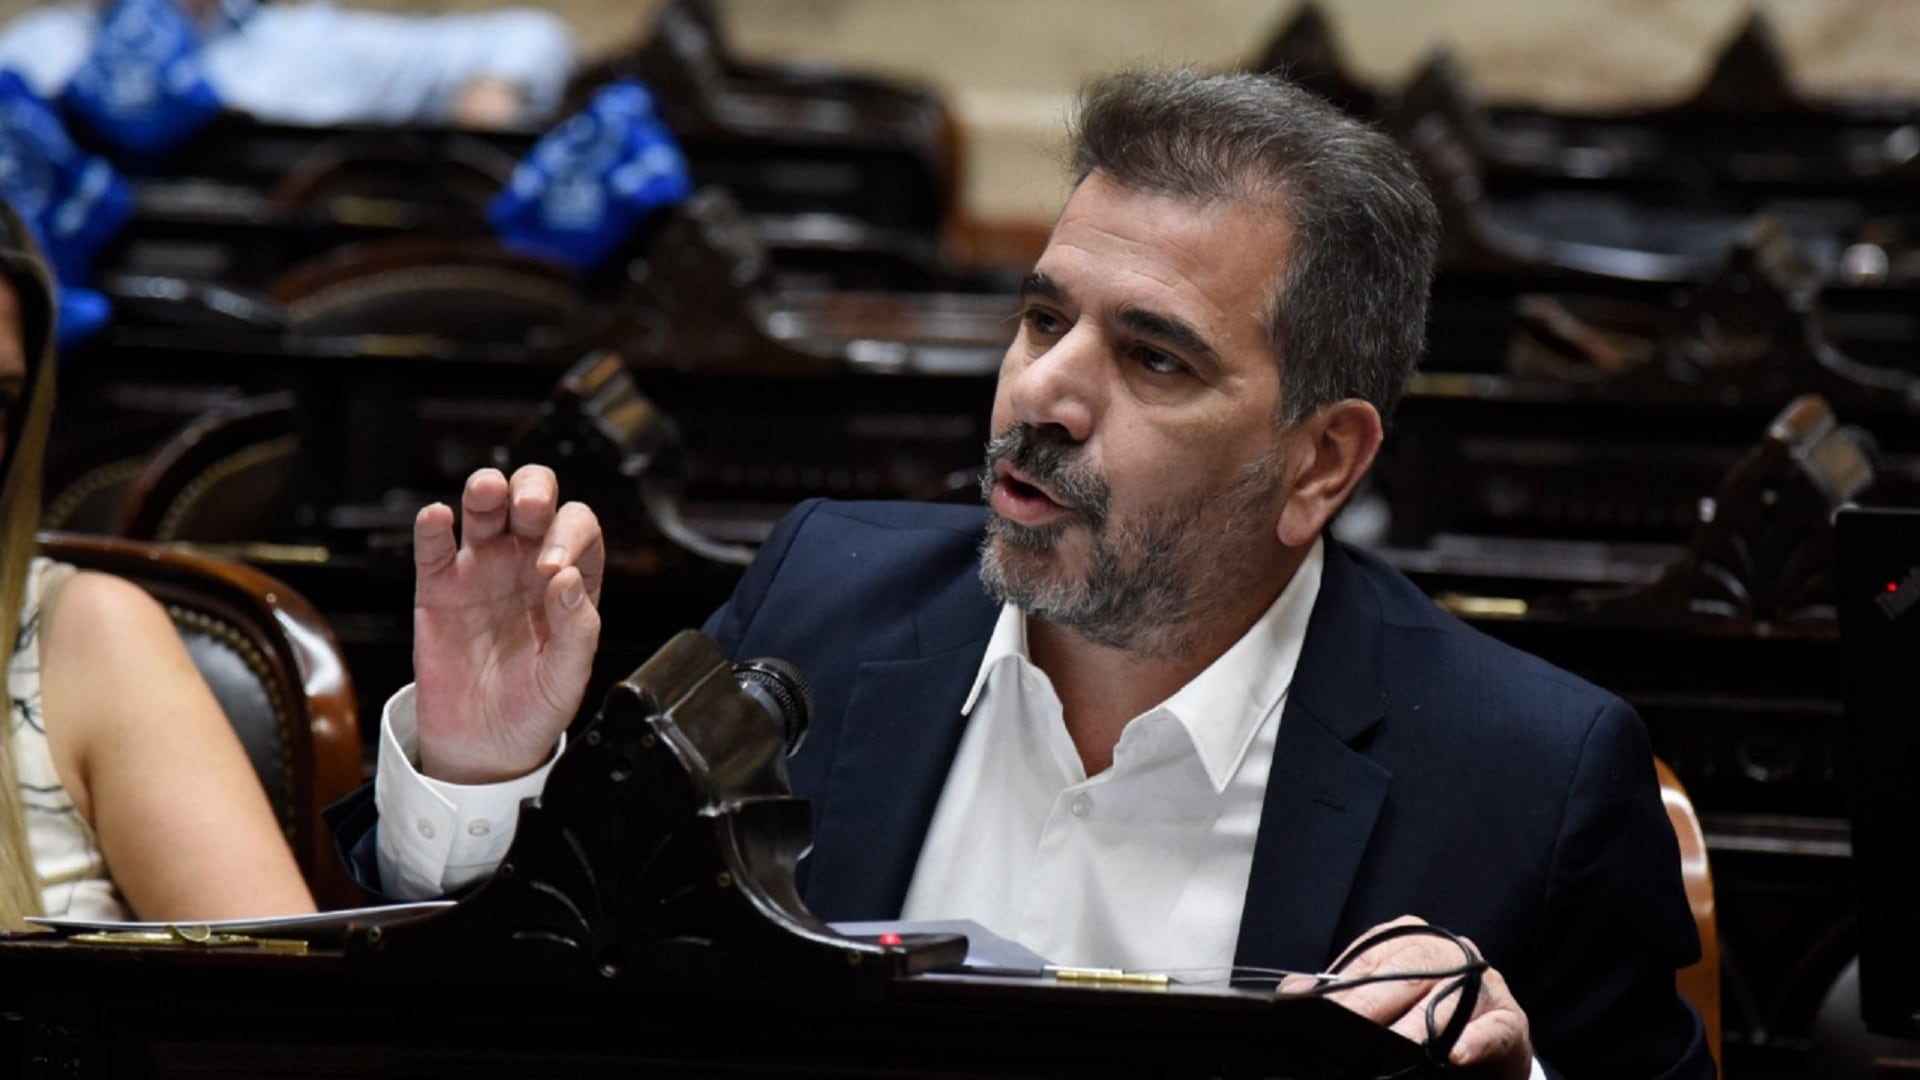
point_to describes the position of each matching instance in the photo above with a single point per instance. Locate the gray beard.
(1151, 583)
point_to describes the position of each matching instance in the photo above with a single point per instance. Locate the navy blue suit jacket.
(1421, 768)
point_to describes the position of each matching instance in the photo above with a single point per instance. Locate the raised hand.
(1496, 1041)
(505, 622)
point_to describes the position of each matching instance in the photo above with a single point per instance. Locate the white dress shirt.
(1020, 830)
(434, 837)
(1143, 866)
(1085, 871)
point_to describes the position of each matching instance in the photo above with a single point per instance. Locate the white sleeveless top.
(73, 873)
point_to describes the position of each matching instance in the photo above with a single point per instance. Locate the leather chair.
(460, 290)
(276, 670)
(88, 503)
(224, 477)
(1699, 983)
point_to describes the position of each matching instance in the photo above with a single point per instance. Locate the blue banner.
(73, 201)
(144, 86)
(592, 180)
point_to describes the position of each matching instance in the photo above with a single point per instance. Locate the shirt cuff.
(1539, 1073)
(434, 837)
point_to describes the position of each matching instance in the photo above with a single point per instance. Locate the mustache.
(1046, 456)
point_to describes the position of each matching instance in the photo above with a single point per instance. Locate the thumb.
(573, 627)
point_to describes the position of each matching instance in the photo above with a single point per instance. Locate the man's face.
(13, 365)
(1136, 473)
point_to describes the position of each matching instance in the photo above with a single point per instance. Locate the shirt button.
(1082, 804)
(479, 827)
(426, 828)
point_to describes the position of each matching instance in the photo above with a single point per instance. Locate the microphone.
(782, 691)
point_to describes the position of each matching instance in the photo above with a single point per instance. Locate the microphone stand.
(660, 855)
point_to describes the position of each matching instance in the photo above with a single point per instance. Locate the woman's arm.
(151, 762)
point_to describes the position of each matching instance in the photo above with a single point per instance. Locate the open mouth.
(1021, 500)
(1025, 487)
(1026, 490)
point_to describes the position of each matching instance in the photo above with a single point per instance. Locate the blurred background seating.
(1675, 327)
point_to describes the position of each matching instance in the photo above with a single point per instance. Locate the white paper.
(316, 926)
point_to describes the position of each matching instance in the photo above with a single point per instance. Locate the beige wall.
(1009, 67)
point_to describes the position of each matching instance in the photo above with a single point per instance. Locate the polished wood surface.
(71, 1010)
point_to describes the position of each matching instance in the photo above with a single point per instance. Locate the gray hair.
(1348, 316)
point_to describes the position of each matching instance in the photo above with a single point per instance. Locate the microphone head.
(781, 690)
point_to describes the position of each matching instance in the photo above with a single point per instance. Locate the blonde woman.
(123, 790)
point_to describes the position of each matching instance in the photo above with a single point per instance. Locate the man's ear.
(1331, 451)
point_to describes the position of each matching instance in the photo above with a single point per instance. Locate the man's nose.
(1062, 386)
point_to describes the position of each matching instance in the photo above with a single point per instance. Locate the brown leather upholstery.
(459, 290)
(89, 502)
(276, 670)
(394, 178)
(222, 477)
(1700, 983)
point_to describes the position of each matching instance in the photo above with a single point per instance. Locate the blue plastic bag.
(588, 183)
(82, 312)
(73, 202)
(144, 87)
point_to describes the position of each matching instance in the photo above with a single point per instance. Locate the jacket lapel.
(1323, 796)
(903, 727)
(896, 742)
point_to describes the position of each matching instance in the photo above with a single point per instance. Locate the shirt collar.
(1008, 645)
(1223, 707)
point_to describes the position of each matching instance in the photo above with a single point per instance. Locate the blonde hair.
(26, 272)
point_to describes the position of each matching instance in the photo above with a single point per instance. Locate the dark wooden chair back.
(460, 290)
(275, 668)
(398, 179)
(90, 502)
(223, 477)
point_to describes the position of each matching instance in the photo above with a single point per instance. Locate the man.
(1177, 729)
(319, 64)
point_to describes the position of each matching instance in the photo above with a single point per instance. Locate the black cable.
(1465, 983)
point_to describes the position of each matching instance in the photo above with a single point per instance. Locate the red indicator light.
(1893, 586)
(889, 939)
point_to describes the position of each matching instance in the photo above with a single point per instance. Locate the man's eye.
(1159, 363)
(1042, 321)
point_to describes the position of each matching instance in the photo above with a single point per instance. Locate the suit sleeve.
(1617, 923)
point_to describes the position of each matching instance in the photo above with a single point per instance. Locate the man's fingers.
(433, 544)
(1405, 965)
(1401, 1005)
(571, 613)
(483, 507)
(1351, 964)
(573, 628)
(575, 540)
(1497, 1037)
(1395, 1003)
(1499, 1034)
(535, 494)
(1296, 983)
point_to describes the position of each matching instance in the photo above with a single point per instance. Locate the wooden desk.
(644, 922)
(79, 1011)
